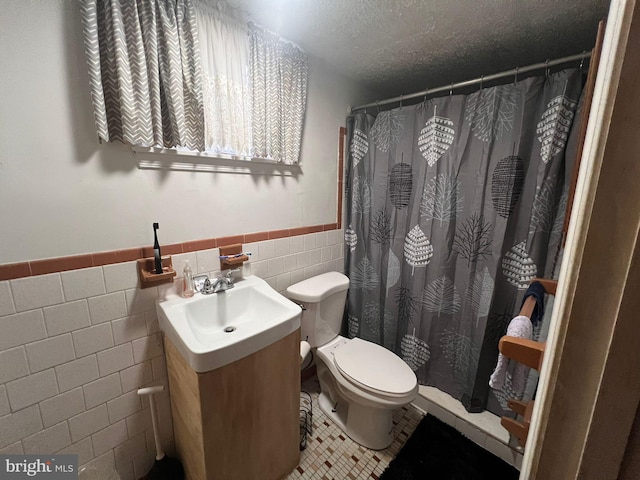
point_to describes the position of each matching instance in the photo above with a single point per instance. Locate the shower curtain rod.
(487, 78)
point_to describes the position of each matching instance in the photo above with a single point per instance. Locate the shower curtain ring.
(378, 105)
(401, 99)
(584, 54)
(481, 81)
(546, 68)
(515, 78)
(451, 89)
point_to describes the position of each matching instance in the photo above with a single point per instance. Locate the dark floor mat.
(436, 451)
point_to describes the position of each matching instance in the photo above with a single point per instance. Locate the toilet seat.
(374, 368)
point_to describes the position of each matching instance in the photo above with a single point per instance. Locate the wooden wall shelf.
(149, 278)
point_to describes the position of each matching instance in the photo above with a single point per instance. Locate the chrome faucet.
(220, 284)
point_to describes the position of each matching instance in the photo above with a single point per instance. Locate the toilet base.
(370, 427)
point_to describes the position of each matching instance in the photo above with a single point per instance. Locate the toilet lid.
(374, 367)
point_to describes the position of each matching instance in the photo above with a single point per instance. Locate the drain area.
(230, 329)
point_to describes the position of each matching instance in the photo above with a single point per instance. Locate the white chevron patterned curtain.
(279, 73)
(145, 75)
(224, 52)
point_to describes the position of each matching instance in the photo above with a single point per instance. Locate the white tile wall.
(102, 390)
(66, 317)
(50, 352)
(92, 339)
(13, 364)
(50, 439)
(4, 402)
(21, 328)
(76, 345)
(89, 422)
(84, 283)
(62, 407)
(6, 300)
(36, 292)
(32, 389)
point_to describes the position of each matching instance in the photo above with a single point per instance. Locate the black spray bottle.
(156, 249)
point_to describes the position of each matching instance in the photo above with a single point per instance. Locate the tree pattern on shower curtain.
(452, 207)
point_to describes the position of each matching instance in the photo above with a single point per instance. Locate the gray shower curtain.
(453, 206)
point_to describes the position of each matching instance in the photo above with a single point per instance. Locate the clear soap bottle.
(187, 281)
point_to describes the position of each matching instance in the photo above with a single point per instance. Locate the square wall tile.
(179, 261)
(48, 440)
(267, 249)
(275, 266)
(315, 257)
(6, 300)
(283, 281)
(321, 239)
(37, 292)
(93, 339)
(32, 389)
(333, 238)
(21, 328)
(208, 261)
(19, 425)
(83, 283)
(66, 317)
(62, 407)
(107, 307)
(254, 249)
(120, 276)
(13, 364)
(296, 244)
(50, 352)
(281, 247)
(78, 372)
(309, 241)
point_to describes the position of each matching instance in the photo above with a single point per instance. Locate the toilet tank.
(323, 297)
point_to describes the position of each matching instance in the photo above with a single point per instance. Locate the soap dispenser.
(187, 280)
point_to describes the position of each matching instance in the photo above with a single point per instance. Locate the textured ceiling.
(403, 46)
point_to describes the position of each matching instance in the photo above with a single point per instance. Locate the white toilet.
(361, 383)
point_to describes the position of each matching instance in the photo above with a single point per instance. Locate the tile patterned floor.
(330, 454)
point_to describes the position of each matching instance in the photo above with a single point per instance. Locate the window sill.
(153, 158)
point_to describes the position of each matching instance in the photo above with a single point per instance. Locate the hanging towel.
(520, 327)
(537, 291)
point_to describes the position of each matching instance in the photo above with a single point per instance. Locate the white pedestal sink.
(214, 330)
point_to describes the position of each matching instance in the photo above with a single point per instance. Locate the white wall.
(62, 193)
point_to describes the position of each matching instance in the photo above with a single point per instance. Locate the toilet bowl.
(361, 383)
